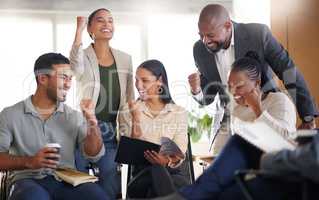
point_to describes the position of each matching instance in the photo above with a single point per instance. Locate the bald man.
(222, 41)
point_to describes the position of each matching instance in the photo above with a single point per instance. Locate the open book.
(74, 177)
(169, 147)
(261, 135)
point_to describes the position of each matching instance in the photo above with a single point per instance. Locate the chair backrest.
(3, 184)
(187, 168)
(190, 160)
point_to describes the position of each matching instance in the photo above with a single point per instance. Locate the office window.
(128, 38)
(22, 40)
(171, 39)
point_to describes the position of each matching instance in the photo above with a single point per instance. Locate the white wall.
(252, 11)
(22, 41)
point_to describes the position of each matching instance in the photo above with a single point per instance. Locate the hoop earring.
(160, 90)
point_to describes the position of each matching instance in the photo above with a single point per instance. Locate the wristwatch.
(308, 118)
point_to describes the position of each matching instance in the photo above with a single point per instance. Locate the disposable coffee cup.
(57, 146)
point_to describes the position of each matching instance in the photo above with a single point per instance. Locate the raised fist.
(194, 82)
(81, 23)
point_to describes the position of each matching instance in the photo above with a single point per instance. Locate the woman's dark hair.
(92, 15)
(251, 64)
(158, 70)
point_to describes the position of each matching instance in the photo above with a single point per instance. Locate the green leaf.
(198, 126)
(194, 134)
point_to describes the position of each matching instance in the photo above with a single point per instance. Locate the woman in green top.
(104, 75)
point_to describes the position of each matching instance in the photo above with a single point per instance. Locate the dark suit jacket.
(274, 58)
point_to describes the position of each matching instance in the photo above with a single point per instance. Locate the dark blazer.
(274, 58)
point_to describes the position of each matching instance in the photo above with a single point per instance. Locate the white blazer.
(84, 64)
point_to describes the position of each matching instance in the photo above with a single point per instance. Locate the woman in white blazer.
(104, 75)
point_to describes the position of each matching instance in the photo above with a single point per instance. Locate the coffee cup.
(57, 146)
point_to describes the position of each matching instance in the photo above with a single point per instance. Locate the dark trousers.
(51, 189)
(236, 154)
(156, 181)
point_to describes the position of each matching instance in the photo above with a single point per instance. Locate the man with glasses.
(222, 41)
(28, 126)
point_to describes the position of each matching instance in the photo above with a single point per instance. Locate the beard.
(217, 48)
(53, 95)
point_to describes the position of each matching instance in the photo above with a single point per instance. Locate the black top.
(110, 94)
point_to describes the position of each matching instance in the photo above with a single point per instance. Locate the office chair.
(93, 169)
(187, 168)
(3, 185)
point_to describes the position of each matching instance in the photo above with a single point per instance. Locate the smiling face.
(58, 82)
(101, 26)
(146, 84)
(240, 85)
(215, 35)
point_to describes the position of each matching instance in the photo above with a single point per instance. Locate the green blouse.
(110, 93)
